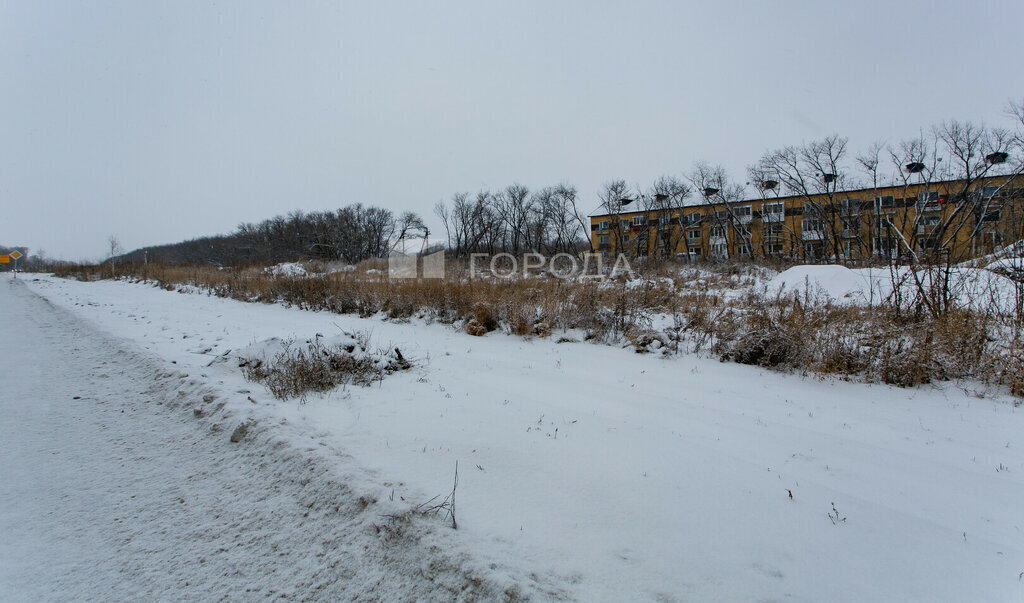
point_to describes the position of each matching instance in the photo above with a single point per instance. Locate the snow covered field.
(585, 471)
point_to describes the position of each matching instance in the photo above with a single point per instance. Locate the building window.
(773, 212)
(743, 249)
(692, 235)
(928, 201)
(693, 218)
(883, 202)
(850, 207)
(625, 239)
(623, 224)
(775, 249)
(604, 241)
(718, 230)
(989, 191)
(639, 220)
(811, 225)
(602, 225)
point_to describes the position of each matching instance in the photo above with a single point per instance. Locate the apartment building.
(957, 218)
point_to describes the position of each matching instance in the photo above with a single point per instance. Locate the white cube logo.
(401, 265)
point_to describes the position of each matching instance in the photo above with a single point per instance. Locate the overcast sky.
(166, 120)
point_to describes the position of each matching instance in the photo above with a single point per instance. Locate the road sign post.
(15, 255)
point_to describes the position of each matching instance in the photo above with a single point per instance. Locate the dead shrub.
(484, 316)
(768, 348)
(474, 328)
(317, 367)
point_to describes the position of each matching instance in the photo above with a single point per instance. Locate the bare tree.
(665, 201)
(614, 195)
(814, 171)
(114, 245)
(718, 189)
(409, 223)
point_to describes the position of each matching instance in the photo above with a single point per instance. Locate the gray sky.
(166, 120)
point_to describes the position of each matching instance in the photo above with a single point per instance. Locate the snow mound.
(1010, 264)
(286, 269)
(974, 288)
(839, 283)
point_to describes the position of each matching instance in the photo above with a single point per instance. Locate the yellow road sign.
(15, 254)
(5, 259)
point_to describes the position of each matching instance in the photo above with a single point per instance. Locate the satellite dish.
(997, 157)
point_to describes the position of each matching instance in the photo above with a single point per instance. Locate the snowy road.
(113, 491)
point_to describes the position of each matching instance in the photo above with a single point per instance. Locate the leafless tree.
(114, 246)
(717, 188)
(665, 200)
(614, 195)
(815, 171)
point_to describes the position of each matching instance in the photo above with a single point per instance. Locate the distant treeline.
(512, 219)
(350, 234)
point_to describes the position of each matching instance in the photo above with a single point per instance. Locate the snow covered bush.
(319, 365)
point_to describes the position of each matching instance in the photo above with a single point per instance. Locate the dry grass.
(711, 308)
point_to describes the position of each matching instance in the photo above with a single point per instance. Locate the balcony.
(773, 217)
(850, 233)
(812, 235)
(926, 228)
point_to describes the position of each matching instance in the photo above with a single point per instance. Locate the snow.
(115, 489)
(973, 287)
(287, 269)
(595, 473)
(1012, 264)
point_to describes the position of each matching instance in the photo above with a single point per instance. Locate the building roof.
(634, 206)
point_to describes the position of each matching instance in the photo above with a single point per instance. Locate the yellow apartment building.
(954, 218)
